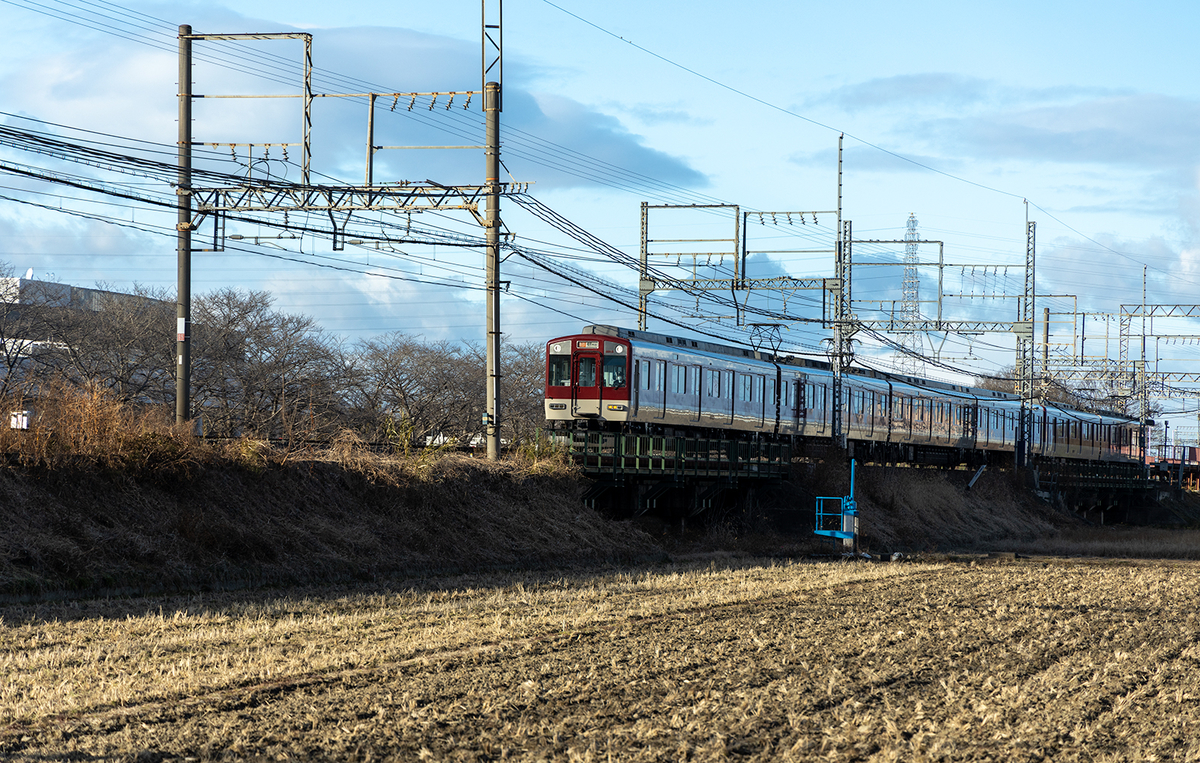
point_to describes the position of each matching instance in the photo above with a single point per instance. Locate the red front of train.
(588, 378)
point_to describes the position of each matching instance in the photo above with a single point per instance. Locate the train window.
(660, 372)
(614, 371)
(743, 387)
(586, 372)
(678, 380)
(770, 395)
(727, 385)
(757, 390)
(560, 370)
(693, 380)
(713, 383)
(644, 373)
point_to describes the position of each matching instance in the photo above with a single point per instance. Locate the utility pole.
(910, 307)
(843, 327)
(492, 62)
(340, 202)
(1025, 352)
(183, 227)
(491, 109)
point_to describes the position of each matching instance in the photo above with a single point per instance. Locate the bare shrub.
(92, 425)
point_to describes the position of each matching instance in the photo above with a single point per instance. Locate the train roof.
(701, 345)
(789, 360)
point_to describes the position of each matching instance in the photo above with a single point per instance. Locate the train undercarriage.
(679, 473)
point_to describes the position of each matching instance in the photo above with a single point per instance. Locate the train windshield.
(614, 370)
(560, 370)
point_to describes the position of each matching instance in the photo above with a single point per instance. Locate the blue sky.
(955, 113)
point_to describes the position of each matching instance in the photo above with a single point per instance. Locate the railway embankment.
(935, 512)
(96, 500)
(285, 520)
(259, 517)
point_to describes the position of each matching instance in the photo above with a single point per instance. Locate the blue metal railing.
(837, 516)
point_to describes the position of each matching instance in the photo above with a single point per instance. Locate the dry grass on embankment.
(932, 512)
(102, 498)
(97, 497)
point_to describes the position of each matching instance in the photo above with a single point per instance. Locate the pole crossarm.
(1161, 311)
(298, 198)
(958, 327)
(1185, 377)
(898, 241)
(659, 283)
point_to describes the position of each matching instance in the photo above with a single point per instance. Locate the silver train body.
(678, 384)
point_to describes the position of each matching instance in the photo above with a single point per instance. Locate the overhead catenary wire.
(255, 58)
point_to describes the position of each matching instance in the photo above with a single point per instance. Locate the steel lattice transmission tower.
(910, 306)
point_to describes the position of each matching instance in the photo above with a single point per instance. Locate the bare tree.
(414, 389)
(120, 342)
(85, 337)
(263, 373)
(523, 391)
(421, 391)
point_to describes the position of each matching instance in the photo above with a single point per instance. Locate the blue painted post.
(850, 516)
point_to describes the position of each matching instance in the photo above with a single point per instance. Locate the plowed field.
(992, 660)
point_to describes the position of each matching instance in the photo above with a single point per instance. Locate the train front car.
(587, 380)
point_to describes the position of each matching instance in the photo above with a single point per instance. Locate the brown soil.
(1008, 660)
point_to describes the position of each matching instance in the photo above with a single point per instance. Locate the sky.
(1083, 117)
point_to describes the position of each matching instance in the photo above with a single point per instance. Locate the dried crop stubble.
(1014, 661)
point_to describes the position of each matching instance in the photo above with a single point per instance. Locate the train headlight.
(558, 406)
(616, 407)
(556, 348)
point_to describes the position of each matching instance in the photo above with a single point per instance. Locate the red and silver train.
(617, 379)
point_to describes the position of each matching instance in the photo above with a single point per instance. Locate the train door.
(799, 412)
(820, 406)
(868, 409)
(585, 373)
(895, 413)
(635, 387)
(659, 381)
(758, 401)
(771, 400)
(695, 393)
(728, 397)
(970, 424)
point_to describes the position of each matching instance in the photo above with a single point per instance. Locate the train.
(623, 380)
